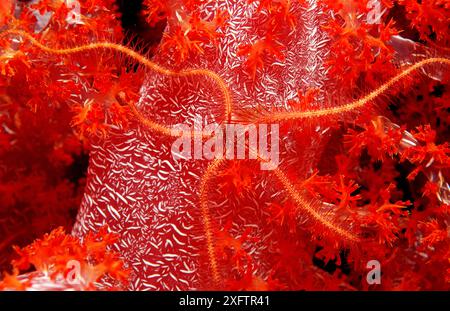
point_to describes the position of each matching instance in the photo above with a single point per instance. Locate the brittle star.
(303, 204)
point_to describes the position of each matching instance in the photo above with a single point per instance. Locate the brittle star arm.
(212, 169)
(156, 127)
(228, 104)
(210, 172)
(357, 104)
(302, 204)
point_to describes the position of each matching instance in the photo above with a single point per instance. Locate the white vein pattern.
(136, 188)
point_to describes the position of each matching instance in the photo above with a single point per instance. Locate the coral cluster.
(360, 90)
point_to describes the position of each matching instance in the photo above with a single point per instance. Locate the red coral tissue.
(359, 92)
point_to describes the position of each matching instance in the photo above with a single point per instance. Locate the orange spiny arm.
(206, 217)
(304, 205)
(295, 115)
(136, 56)
(156, 127)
